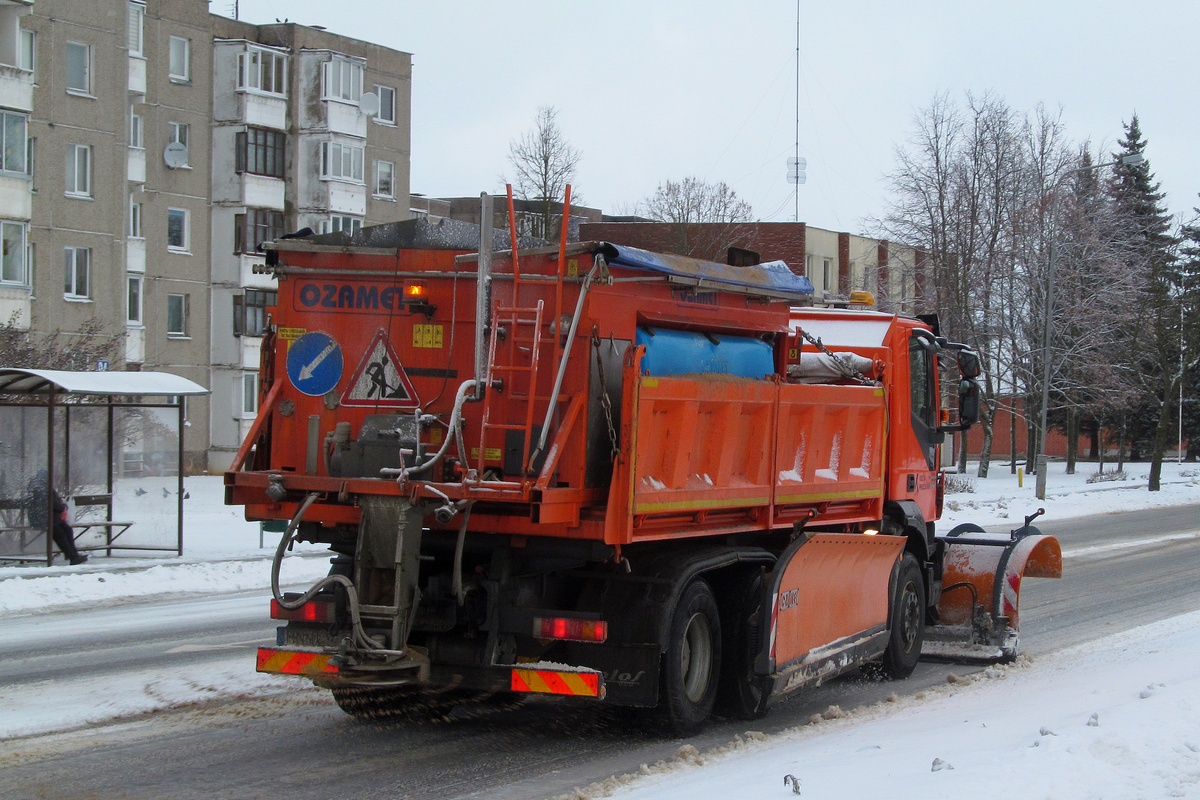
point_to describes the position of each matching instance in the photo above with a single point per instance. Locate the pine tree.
(1142, 226)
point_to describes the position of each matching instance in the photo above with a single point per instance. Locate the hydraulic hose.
(360, 636)
(455, 425)
(457, 583)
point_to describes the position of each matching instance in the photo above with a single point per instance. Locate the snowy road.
(73, 645)
(1122, 571)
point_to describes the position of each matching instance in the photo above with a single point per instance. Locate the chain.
(605, 400)
(842, 367)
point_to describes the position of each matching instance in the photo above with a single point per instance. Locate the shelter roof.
(54, 381)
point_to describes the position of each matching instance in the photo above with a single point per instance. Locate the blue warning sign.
(314, 363)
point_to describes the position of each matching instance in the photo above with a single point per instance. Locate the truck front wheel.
(693, 659)
(907, 621)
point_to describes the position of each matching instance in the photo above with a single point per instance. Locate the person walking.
(61, 530)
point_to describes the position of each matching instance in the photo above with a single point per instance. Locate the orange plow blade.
(979, 608)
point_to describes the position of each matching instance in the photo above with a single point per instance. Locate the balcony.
(135, 255)
(135, 345)
(346, 198)
(262, 111)
(253, 274)
(16, 197)
(251, 351)
(135, 166)
(137, 74)
(15, 306)
(16, 88)
(259, 191)
(345, 118)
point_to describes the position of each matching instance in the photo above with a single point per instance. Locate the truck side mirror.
(968, 364)
(968, 402)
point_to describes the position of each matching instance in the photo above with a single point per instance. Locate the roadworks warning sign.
(379, 381)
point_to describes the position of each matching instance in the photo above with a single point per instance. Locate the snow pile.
(998, 501)
(1119, 717)
(111, 587)
(80, 702)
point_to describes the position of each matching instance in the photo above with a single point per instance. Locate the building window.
(135, 219)
(250, 311)
(826, 270)
(263, 71)
(341, 162)
(177, 132)
(179, 67)
(260, 151)
(79, 68)
(137, 15)
(387, 104)
(133, 301)
(385, 179)
(78, 263)
(343, 79)
(177, 315)
(79, 170)
(15, 147)
(137, 130)
(12, 263)
(340, 223)
(256, 226)
(249, 394)
(177, 230)
(26, 59)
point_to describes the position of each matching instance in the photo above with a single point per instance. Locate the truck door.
(922, 373)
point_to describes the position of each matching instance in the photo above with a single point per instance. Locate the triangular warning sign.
(380, 381)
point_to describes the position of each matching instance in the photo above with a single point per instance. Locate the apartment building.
(310, 130)
(148, 148)
(16, 184)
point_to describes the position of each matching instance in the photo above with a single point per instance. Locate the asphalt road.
(1121, 570)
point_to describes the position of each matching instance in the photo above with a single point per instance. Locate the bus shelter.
(74, 434)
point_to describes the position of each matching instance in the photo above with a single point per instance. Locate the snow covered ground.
(1019, 731)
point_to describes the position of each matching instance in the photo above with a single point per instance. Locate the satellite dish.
(175, 155)
(369, 104)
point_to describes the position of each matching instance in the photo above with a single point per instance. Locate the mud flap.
(979, 609)
(829, 607)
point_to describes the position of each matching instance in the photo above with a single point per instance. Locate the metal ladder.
(521, 329)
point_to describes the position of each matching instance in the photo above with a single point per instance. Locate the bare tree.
(957, 190)
(704, 217)
(545, 163)
(78, 350)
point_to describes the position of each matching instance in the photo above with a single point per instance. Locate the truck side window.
(921, 372)
(918, 370)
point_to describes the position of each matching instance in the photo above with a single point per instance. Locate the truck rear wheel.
(907, 619)
(693, 659)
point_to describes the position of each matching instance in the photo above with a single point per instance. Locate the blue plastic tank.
(671, 352)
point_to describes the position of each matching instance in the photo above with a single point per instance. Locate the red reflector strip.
(579, 684)
(576, 630)
(312, 611)
(290, 662)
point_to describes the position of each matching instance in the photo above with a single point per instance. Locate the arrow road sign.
(314, 363)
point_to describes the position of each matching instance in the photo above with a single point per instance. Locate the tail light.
(570, 628)
(312, 611)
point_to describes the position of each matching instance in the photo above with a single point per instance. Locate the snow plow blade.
(979, 610)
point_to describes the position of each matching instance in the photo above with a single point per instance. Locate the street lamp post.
(1130, 160)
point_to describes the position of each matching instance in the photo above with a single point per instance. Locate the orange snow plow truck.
(595, 471)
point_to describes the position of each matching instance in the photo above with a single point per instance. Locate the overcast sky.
(663, 89)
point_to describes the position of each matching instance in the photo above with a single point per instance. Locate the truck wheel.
(907, 621)
(743, 695)
(693, 660)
